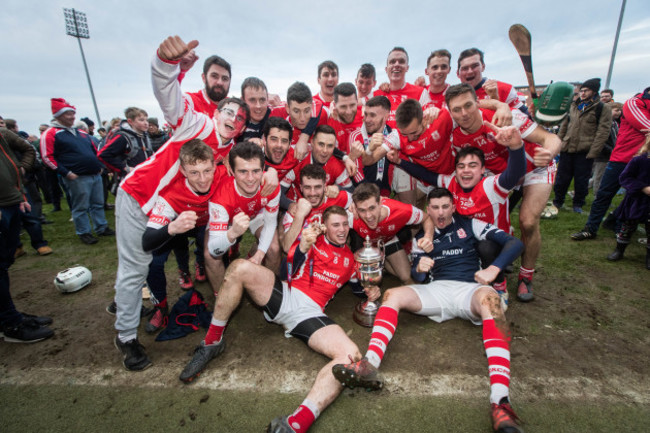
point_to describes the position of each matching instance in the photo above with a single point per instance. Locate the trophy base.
(364, 313)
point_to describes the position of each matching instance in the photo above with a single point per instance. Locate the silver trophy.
(369, 262)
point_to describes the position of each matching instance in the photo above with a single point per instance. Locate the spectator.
(73, 155)
(635, 123)
(157, 136)
(583, 133)
(16, 327)
(607, 95)
(600, 162)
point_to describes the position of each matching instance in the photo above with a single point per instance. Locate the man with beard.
(216, 78)
(347, 114)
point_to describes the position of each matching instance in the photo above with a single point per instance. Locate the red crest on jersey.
(461, 233)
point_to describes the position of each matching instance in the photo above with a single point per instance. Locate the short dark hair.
(329, 65)
(247, 151)
(367, 71)
(469, 53)
(333, 210)
(366, 190)
(407, 111)
(10, 123)
(402, 49)
(298, 92)
(216, 60)
(379, 101)
(324, 129)
(470, 150)
(237, 101)
(439, 53)
(254, 83)
(439, 193)
(610, 91)
(194, 151)
(457, 90)
(344, 89)
(313, 171)
(277, 122)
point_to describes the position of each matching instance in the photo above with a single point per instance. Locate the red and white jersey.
(487, 201)
(288, 163)
(396, 97)
(227, 202)
(344, 199)
(506, 94)
(433, 148)
(201, 103)
(438, 99)
(496, 155)
(146, 181)
(317, 109)
(343, 130)
(178, 197)
(399, 215)
(320, 98)
(335, 171)
(636, 118)
(325, 270)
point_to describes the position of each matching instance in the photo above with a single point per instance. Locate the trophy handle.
(382, 247)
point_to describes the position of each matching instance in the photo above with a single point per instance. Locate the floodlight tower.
(77, 27)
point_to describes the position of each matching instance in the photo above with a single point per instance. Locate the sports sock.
(526, 273)
(215, 332)
(497, 350)
(382, 332)
(502, 286)
(304, 416)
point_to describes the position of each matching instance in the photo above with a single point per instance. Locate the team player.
(427, 146)
(320, 265)
(453, 286)
(438, 68)
(181, 211)
(366, 80)
(540, 147)
(346, 114)
(278, 152)
(216, 79)
(304, 113)
(139, 190)
(477, 196)
(238, 205)
(381, 219)
(328, 78)
(255, 95)
(397, 65)
(372, 135)
(323, 146)
(470, 71)
(310, 207)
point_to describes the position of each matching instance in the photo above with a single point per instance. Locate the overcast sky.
(284, 41)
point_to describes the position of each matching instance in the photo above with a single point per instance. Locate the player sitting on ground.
(455, 286)
(319, 266)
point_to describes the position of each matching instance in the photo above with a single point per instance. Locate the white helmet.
(73, 279)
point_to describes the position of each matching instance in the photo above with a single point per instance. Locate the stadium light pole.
(77, 27)
(618, 31)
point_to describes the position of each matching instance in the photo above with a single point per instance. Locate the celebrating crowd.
(428, 171)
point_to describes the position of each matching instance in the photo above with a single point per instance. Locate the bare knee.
(492, 303)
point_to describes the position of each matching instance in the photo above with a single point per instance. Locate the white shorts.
(543, 175)
(424, 188)
(296, 307)
(445, 299)
(402, 181)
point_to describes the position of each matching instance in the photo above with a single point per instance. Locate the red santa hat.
(60, 106)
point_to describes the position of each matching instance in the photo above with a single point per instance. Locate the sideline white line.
(621, 389)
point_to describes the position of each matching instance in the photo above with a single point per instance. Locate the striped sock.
(304, 416)
(497, 350)
(382, 332)
(526, 273)
(215, 332)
